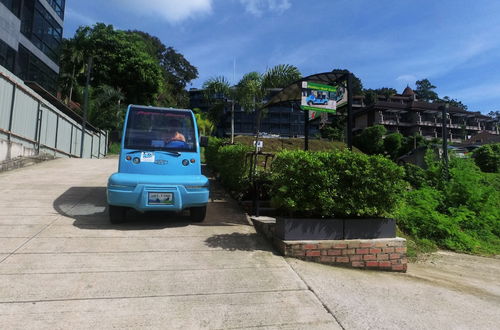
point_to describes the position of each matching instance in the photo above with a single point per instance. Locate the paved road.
(62, 266)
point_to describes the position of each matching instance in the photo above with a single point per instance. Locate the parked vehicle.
(159, 167)
(320, 100)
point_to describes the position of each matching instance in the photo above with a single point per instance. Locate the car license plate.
(157, 198)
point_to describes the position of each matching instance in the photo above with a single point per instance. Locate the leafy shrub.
(341, 183)
(392, 144)
(415, 175)
(368, 185)
(233, 168)
(303, 183)
(461, 214)
(212, 152)
(487, 158)
(370, 140)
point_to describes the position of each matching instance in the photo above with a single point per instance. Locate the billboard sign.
(322, 98)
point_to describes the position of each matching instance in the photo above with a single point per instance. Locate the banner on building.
(322, 98)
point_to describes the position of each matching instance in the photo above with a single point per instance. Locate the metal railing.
(31, 121)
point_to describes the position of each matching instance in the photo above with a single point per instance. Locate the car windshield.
(160, 129)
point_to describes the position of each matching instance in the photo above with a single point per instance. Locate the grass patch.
(277, 144)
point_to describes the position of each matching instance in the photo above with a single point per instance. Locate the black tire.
(197, 214)
(117, 214)
(310, 103)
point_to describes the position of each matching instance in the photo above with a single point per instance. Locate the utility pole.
(85, 106)
(445, 109)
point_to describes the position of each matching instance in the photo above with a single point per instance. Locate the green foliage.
(106, 111)
(233, 167)
(415, 175)
(303, 184)
(392, 144)
(205, 125)
(131, 63)
(114, 148)
(370, 140)
(341, 184)
(487, 158)
(462, 214)
(212, 153)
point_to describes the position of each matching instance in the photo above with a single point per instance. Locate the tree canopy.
(128, 67)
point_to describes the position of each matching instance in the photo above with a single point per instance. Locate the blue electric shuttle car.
(159, 167)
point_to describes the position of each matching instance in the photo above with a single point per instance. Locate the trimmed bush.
(212, 152)
(340, 184)
(487, 158)
(232, 167)
(303, 184)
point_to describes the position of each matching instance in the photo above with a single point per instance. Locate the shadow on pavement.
(88, 207)
(239, 242)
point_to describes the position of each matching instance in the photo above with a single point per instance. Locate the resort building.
(30, 38)
(405, 114)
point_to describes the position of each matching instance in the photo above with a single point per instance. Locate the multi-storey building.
(30, 38)
(404, 113)
(285, 121)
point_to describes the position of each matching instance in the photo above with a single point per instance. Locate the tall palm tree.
(218, 91)
(254, 88)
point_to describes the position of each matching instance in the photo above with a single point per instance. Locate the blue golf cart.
(159, 167)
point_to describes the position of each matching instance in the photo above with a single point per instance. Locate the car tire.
(117, 214)
(197, 214)
(310, 103)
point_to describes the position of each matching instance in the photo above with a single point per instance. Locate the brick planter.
(388, 254)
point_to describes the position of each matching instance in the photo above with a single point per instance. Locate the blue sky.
(388, 43)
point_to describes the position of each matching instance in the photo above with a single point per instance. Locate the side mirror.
(203, 141)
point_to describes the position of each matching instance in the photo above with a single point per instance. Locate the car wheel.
(310, 103)
(117, 214)
(197, 214)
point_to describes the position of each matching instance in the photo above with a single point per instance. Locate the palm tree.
(72, 56)
(218, 92)
(254, 88)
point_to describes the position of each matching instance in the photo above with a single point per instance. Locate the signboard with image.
(322, 98)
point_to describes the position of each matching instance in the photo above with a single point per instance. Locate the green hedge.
(339, 184)
(229, 163)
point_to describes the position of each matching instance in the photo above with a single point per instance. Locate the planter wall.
(292, 229)
(369, 228)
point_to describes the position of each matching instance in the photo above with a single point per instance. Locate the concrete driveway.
(62, 266)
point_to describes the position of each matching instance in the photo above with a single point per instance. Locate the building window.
(13, 5)
(41, 28)
(7, 56)
(30, 68)
(58, 6)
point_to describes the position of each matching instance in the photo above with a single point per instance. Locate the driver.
(172, 137)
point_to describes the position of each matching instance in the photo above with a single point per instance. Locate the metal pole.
(349, 111)
(445, 139)
(85, 105)
(11, 118)
(306, 130)
(57, 129)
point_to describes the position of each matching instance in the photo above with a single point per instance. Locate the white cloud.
(257, 7)
(173, 11)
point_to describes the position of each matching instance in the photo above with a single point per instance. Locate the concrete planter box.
(369, 228)
(304, 229)
(293, 229)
